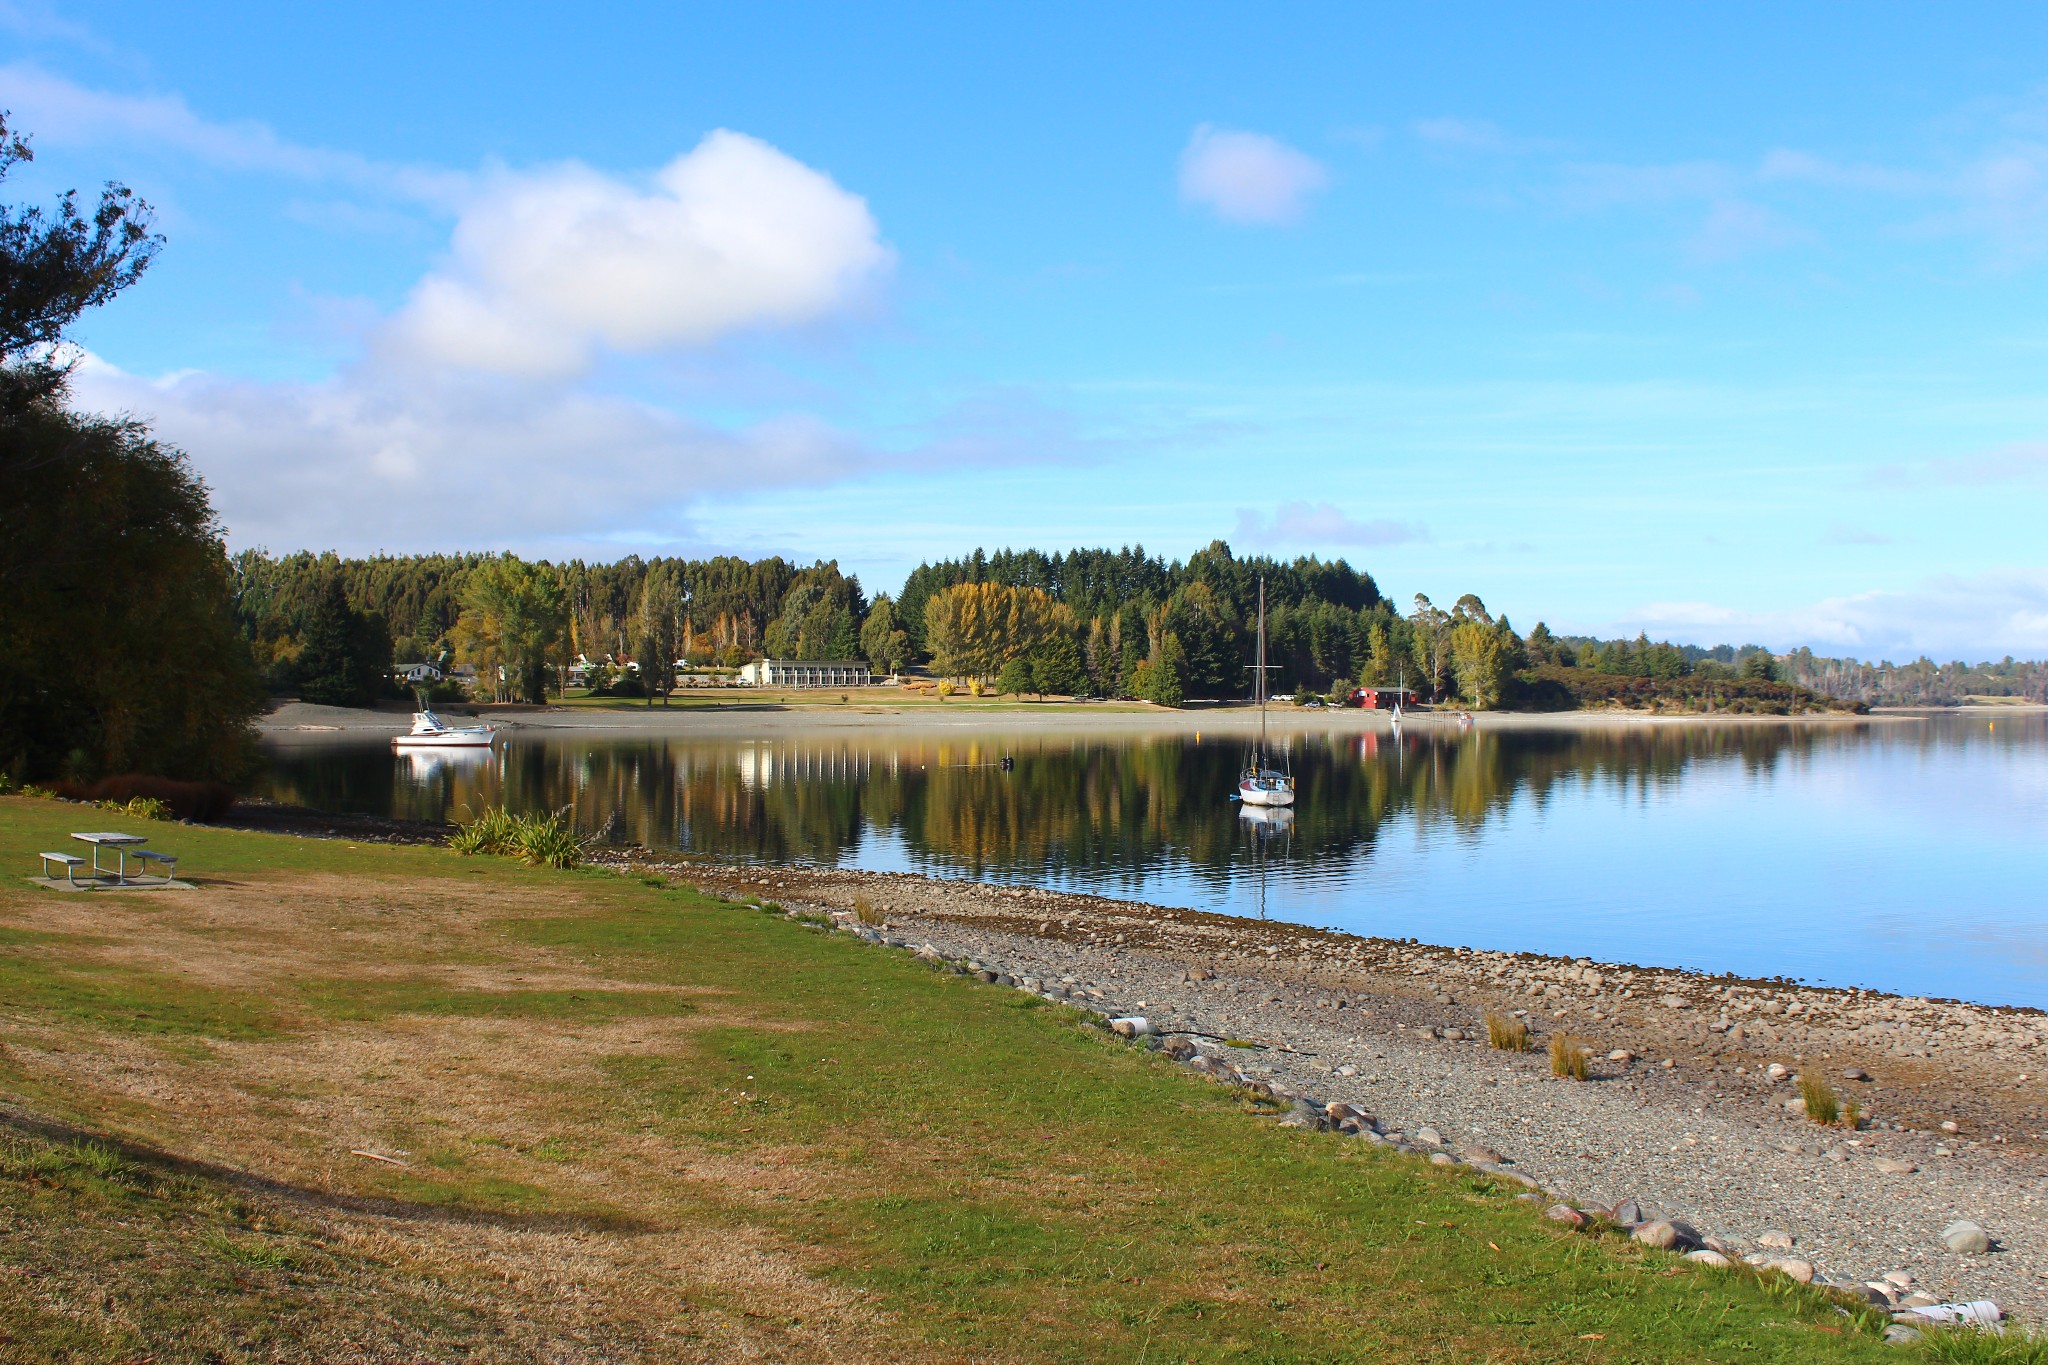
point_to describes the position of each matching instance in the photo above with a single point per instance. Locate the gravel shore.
(1685, 1117)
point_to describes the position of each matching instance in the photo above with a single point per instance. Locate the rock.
(1565, 1213)
(1429, 1135)
(1133, 1026)
(1707, 1256)
(1667, 1234)
(1891, 1165)
(1898, 1334)
(1855, 1073)
(1621, 1054)
(1303, 1115)
(1899, 1279)
(1776, 1071)
(1478, 1153)
(1917, 1299)
(1777, 1240)
(1950, 1126)
(985, 976)
(1673, 1002)
(1791, 1267)
(1454, 1035)
(1442, 1159)
(1718, 1026)
(1529, 1197)
(1716, 1244)
(1966, 1238)
(1627, 1213)
(1347, 1070)
(1879, 1293)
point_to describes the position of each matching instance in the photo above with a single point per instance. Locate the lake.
(1899, 854)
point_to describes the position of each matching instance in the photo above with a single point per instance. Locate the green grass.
(1004, 1179)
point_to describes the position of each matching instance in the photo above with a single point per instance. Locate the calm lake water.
(1903, 855)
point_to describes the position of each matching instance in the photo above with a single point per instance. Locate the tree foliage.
(347, 656)
(513, 616)
(118, 649)
(973, 629)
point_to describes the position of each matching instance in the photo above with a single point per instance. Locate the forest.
(1083, 622)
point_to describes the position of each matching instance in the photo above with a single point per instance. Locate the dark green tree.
(347, 656)
(118, 645)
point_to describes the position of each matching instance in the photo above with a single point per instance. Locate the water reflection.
(1609, 842)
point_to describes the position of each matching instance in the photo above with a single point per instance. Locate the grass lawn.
(639, 1123)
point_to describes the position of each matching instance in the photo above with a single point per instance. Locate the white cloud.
(1320, 525)
(1949, 617)
(1735, 227)
(375, 460)
(1474, 135)
(55, 110)
(1248, 177)
(1596, 185)
(548, 267)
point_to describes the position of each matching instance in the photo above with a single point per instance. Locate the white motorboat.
(1261, 784)
(429, 731)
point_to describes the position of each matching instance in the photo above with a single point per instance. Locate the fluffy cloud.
(549, 268)
(1301, 525)
(371, 460)
(1248, 177)
(1985, 616)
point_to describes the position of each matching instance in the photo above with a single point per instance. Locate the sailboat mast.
(1262, 669)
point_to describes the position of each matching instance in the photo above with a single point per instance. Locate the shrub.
(1567, 1056)
(542, 841)
(945, 688)
(490, 831)
(549, 842)
(1506, 1032)
(1822, 1104)
(138, 808)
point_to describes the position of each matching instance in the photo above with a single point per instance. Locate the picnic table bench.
(70, 862)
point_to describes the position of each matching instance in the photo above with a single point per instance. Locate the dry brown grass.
(1507, 1033)
(1568, 1057)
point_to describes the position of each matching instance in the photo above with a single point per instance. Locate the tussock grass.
(1507, 1033)
(864, 911)
(1852, 1115)
(1568, 1057)
(1823, 1106)
(537, 840)
(139, 808)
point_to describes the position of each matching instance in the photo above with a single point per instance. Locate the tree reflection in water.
(1897, 854)
(1105, 812)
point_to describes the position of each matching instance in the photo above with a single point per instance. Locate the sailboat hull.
(1260, 794)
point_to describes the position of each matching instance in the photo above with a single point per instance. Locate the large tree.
(514, 616)
(118, 645)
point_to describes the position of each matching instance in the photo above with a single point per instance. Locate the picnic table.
(120, 843)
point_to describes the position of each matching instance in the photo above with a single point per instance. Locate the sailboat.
(1260, 784)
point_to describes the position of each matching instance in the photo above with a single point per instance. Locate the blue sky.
(1725, 324)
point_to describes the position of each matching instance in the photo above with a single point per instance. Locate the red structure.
(1382, 698)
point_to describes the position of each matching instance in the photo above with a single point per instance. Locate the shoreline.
(1681, 1112)
(304, 721)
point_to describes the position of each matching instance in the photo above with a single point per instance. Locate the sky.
(1723, 323)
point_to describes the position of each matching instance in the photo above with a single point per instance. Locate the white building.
(805, 673)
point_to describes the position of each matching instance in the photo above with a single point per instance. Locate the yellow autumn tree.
(973, 629)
